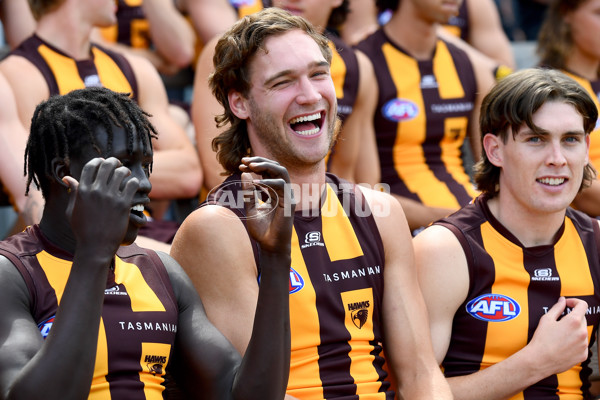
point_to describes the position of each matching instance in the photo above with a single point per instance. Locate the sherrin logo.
(493, 308)
(398, 110)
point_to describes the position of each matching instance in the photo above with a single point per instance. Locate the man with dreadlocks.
(60, 57)
(87, 313)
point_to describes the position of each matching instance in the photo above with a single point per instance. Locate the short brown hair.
(233, 55)
(511, 104)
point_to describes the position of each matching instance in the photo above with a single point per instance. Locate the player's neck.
(531, 229)
(308, 185)
(71, 38)
(415, 36)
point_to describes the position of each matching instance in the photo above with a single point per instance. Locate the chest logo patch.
(493, 308)
(399, 110)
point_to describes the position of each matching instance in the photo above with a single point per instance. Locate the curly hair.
(511, 104)
(64, 124)
(233, 55)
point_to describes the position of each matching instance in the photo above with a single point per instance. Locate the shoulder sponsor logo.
(544, 274)
(45, 326)
(296, 281)
(312, 239)
(493, 308)
(399, 110)
(359, 313)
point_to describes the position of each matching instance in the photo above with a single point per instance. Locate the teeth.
(308, 133)
(552, 181)
(138, 208)
(306, 118)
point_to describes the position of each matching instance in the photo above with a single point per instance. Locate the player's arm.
(265, 340)
(204, 109)
(17, 21)
(358, 133)
(176, 171)
(444, 280)
(486, 33)
(407, 343)
(172, 35)
(13, 139)
(210, 17)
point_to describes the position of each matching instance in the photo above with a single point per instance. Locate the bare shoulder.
(212, 233)
(28, 92)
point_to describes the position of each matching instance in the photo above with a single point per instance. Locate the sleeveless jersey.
(132, 28)
(63, 74)
(511, 287)
(139, 315)
(421, 120)
(459, 24)
(336, 295)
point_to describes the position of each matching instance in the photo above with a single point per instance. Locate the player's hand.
(562, 342)
(268, 203)
(100, 203)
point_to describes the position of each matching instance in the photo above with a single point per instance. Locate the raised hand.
(100, 203)
(269, 205)
(563, 342)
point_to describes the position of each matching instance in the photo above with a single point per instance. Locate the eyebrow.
(544, 132)
(285, 72)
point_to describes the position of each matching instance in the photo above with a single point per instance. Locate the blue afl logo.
(296, 281)
(493, 308)
(45, 326)
(399, 110)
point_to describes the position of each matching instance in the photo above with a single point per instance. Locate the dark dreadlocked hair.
(64, 124)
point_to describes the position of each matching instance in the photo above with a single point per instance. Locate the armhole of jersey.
(28, 49)
(596, 235)
(162, 271)
(464, 243)
(371, 222)
(26, 277)
(125, 66)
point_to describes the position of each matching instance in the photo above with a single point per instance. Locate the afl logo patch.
(296, 281)
(399, 110)
(493, 308)
(45, 326)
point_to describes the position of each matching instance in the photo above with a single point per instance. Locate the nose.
(556, 156)
(309, 92)
(143, 177)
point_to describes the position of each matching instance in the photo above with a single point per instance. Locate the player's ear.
(493, 149)
(238, 104)
(60, 169)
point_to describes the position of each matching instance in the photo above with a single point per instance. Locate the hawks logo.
(45, 326)
(493, 308)
(398, 110)
(359, 313)
(155, 364)
(296, 281)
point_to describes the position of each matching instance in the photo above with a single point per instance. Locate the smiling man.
(108, 317)
(498, 274)
(273, 79)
